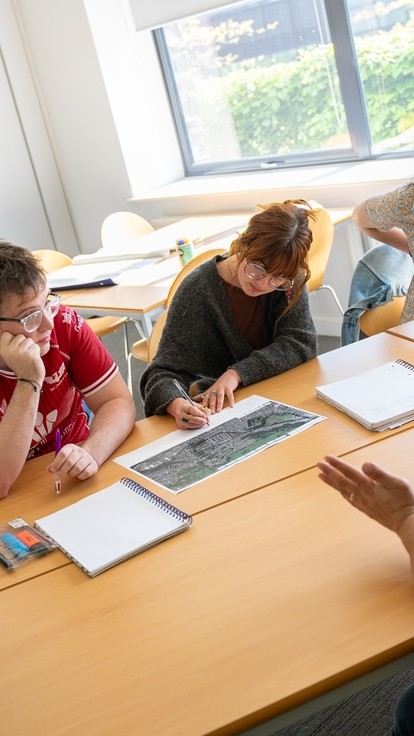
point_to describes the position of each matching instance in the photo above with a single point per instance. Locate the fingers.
(214, 400)
(379, 475)
(22, 354)
(75, 461)
(192, 417)
(346, 479)
(340, 473)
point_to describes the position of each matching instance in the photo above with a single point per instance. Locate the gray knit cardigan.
(200, 340)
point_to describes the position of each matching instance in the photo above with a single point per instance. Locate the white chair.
(119, 228)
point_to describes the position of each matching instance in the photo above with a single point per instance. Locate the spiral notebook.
(381, 398)
(112, 525)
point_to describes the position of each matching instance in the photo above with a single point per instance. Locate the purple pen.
(58, 445)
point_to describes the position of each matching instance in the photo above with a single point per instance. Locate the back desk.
(32, 495)
(268, 601)
(143, 301)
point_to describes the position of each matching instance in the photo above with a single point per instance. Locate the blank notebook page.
(108, 526)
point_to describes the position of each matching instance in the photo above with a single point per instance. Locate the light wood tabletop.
(405, 330)
(32, 494)
(268, 601)
(338, 433)
(131, 301)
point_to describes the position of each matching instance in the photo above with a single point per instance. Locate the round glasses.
(32, 321)
(256, 272)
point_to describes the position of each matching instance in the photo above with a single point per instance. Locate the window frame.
(353, 101)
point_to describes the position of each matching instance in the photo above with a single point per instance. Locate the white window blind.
(148, 15)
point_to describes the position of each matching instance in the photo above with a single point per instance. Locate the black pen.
(185, 395)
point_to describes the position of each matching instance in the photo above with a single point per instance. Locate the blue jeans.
(382, 273)
(404, 714)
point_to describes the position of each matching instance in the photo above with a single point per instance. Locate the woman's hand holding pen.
(188, 415)
(74, 460)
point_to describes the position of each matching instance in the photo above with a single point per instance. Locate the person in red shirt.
(50, 364)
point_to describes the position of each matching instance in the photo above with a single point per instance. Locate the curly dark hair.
(20, 271)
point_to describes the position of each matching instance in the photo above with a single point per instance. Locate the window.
(269, 83)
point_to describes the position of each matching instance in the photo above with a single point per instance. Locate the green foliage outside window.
(296, 106)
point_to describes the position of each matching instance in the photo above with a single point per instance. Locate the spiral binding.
(156, 500)
(405, 364)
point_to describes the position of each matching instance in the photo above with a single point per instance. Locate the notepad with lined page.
(112, 525)
(380, 398)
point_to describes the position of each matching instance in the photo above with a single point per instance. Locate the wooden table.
(142, 303)
(337, 434)
(405, 330)
(268, 601)
(279, 593)
(32, 495)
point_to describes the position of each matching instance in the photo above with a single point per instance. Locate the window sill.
(334, 185)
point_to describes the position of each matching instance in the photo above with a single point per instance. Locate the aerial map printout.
(182, 458)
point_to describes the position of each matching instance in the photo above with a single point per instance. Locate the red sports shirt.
(77, 365)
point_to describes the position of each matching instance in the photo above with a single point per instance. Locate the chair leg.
(126, 346)
(129, 372)
(333, 292)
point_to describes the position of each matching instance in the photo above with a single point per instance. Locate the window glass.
(384, 43)
(257, 84)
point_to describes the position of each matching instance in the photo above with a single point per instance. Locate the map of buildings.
(189, 462)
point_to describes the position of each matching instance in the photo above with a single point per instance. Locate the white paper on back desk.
(112, 525)
(380, 398)
(94, 274)
(138, 248)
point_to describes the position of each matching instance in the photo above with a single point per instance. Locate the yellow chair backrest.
(155, 336)
(318, 256)
(382, 318)
(158, 327)
(120, 228)
(196, 261)
(51, 259)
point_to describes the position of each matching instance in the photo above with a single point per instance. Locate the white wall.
(136, 95)
(80, 128)
(33, 206)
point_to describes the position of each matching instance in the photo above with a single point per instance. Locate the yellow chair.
(141, 350)
(51, 260)
(155, 336)
(320, 250)
(382, 318)
(119, 228)
(196, 261)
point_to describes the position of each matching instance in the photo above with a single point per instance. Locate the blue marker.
(19, 549)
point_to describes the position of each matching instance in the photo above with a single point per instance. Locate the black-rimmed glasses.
(32, 321)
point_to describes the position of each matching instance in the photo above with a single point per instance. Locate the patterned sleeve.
(90, 366)
(394, 209)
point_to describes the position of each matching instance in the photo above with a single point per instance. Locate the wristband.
(36, 386)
